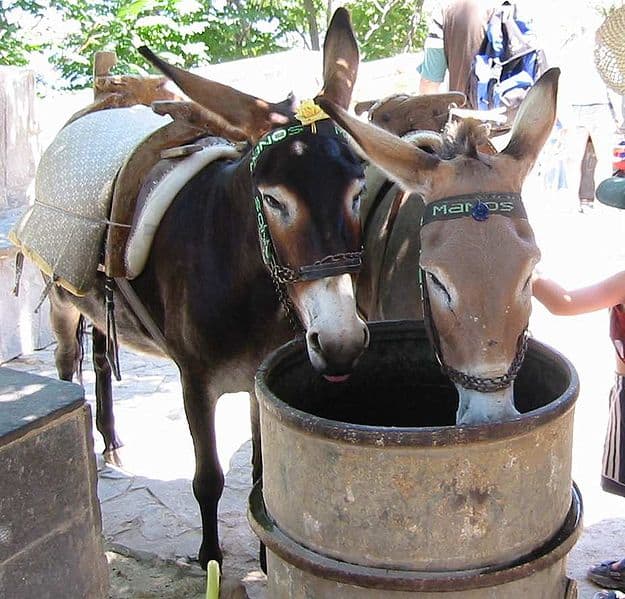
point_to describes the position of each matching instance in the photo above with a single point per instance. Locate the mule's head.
(476, 259)
(401, 113)
(139, 90)
(305, 185)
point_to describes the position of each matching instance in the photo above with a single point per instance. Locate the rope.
(106, 221)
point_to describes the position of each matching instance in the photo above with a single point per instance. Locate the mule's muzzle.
(335, 353)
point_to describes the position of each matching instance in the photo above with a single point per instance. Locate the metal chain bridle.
(494, 383)
(479, 207)
(284, 275)
(326, 267)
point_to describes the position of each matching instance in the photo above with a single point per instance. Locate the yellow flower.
(308, 112)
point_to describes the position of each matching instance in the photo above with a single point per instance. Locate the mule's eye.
(440, 286)
(273, 203)
(356, 204)
(527, 283)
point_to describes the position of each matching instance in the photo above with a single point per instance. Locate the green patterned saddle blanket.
(62, 232)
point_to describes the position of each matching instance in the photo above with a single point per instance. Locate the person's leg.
(613, 465)
(611, 574)
(575, 141)
(601, 126)
(586, 191)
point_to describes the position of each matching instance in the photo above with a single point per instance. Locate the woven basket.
(610, 50)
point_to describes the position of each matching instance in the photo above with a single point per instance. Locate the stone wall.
(19, 149)
(21, 329)
(272, 77)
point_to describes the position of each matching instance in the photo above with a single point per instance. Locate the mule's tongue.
(339, 378)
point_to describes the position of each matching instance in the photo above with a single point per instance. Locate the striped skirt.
(613, 467)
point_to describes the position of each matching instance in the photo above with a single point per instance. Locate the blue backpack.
(507, 65)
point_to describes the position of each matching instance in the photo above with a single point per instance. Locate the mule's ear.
(363, 106)
(241, 111)
(534, 121)
(340, 60)
(416, 113)
(403, 162)
(448, 98)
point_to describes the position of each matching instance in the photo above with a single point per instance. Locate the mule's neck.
(240, 195)
(241, 191)
(215, 210)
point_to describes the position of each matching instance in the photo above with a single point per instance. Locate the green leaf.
(133, 9)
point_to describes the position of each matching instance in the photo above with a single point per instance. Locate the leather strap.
(142, 314)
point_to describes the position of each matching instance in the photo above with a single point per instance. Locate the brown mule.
(401, 113)
(477, 248)
(210, 290)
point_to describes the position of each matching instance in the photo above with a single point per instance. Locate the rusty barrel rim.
(328, 568)
(294, 353)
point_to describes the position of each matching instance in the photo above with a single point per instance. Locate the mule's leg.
(104, 418)
(208, 481)
(257, 464)
(65, 322)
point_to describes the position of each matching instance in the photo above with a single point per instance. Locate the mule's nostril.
(367, 337)
(492, 342)
(313, 341)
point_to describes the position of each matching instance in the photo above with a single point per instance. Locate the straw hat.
(610, 50)
(610, 61)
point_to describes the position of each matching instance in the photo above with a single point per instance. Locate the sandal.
(605, 575)
(608, 595)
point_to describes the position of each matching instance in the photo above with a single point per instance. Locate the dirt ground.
(133, 579)
(137, 579)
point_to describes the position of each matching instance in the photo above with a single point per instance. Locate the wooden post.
(103, 62)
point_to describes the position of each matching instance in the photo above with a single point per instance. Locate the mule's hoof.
(206, 556)
(113, 457)
(191, 566)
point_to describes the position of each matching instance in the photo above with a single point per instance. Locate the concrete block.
(50, 521)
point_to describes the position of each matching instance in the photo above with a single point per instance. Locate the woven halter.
(480, 207)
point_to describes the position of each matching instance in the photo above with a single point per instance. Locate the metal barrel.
(369, 484)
